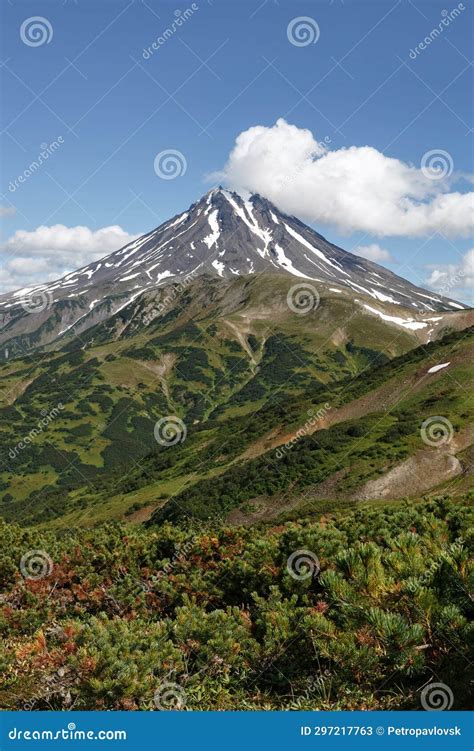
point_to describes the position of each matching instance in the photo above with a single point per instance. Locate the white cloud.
(46, 253)
(454, 280)
(69, 242)
(374, 252)
(7, 210)
(354, 189)
(28, 265)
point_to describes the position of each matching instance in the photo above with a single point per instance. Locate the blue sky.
(229, 66)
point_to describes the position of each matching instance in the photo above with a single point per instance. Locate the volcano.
(222, 235)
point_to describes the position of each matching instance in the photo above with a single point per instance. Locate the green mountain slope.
(239, 368)
(392, 432)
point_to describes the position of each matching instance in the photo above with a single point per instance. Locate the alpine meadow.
(236, 350)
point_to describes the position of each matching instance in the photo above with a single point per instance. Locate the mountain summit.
(225, 333)
(223, 235)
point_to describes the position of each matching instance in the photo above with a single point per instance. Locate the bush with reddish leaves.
(216, 618)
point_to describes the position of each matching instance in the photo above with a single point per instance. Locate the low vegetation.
(348, 610)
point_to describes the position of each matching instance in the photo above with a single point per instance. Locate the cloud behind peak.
(356, 188)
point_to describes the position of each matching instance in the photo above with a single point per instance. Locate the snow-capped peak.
(227, 234)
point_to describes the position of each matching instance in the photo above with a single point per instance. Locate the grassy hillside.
(267, 454)
(242, 371)
(368, 426)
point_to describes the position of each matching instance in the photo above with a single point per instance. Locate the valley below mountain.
(235, 473)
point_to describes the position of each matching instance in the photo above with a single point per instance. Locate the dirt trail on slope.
(375, 401)
(18, 389)
(161, 369)
(415, 476)
(241, 338)
(427, 469)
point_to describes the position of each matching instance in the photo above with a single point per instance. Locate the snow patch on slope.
(213, 237)
(219, 267)
(435, 368)
(286, 263)
(310, 247)
(407, 323)
(384, 298)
